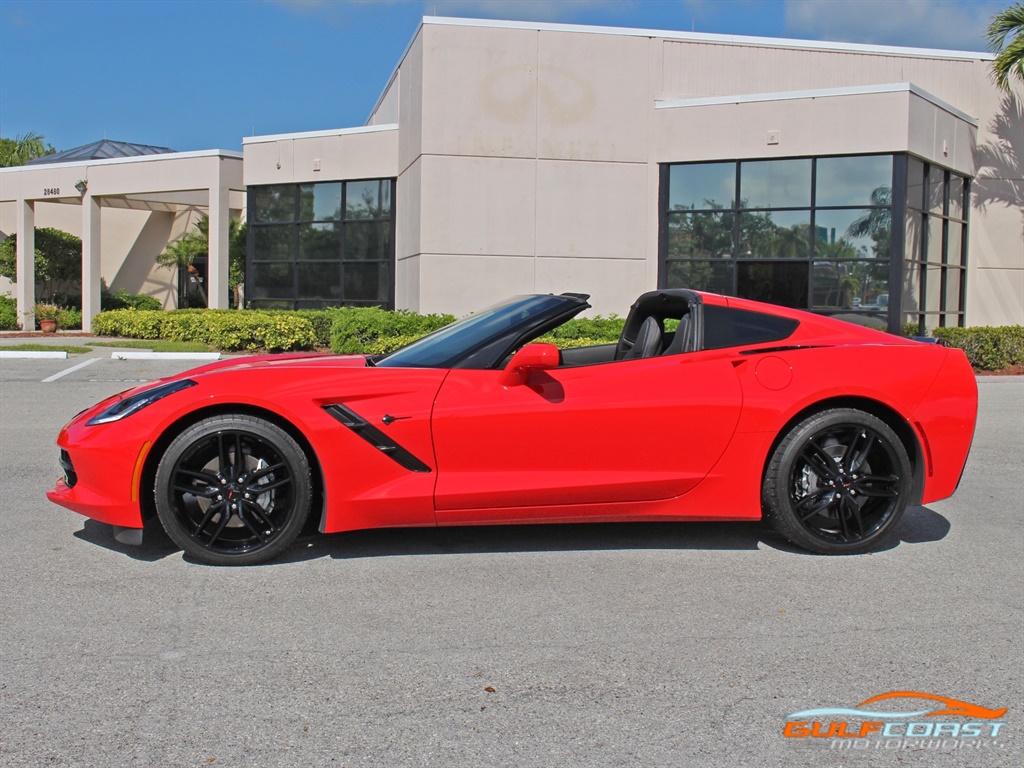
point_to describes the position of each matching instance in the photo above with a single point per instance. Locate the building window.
(935, 248)
(327, 244)
(811, 233)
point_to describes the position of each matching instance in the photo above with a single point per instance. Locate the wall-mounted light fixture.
(81, 186)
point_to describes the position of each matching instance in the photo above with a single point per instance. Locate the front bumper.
(102, 466)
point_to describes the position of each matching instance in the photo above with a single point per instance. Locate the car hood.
(303, 361)
(297, 362)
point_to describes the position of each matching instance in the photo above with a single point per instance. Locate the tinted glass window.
(702, 186)
(775, 184)
(774, 282)
(853, 181)
(325, 244)
(728, 327)
(788, 229)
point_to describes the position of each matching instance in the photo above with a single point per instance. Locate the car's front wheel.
(233, 490)
(837, 483)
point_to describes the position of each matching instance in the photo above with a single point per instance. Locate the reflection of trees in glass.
(840, 249)
(761, 237)
(320, 202)
(700, 235)
(690, 274)
(274, 203)
(367, 241)
(362, 207)
(319, 242)
(851, 284)
(876, 223)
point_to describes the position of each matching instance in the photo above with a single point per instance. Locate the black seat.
(647, 342)
(681, 342)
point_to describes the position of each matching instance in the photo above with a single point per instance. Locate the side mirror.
(532, 357)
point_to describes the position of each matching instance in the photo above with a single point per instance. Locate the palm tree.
(196, 242)
(21, 149)
(876, 223)
(1009, 61)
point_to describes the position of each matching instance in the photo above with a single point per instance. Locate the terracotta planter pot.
(48, 326)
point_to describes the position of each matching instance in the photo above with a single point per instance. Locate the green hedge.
(69, 319)
(600, 330)
(8, 314)
(229, 330)
(121, 299)
(987, 348)
(361, 330)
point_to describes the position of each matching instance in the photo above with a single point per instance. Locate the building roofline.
(819, 93)
(695, 37)
(319, 134)
(137, 159)
(704, 37)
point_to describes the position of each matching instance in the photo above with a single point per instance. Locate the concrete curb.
(6, 354)
(122, 355)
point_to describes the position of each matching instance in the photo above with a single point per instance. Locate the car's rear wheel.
(837, 483)
(233, 490)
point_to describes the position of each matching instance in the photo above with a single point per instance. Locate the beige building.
(883, 185)
(126, 205)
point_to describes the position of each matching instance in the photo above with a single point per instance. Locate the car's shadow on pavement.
(919, 525)
(156, 545)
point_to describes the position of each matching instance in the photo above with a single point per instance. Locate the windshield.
(445, 347)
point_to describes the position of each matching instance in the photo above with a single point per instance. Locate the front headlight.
(129, 405)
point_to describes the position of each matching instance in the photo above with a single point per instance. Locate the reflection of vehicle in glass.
(707, 408)
(881, 301)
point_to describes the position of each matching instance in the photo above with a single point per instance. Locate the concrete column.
(90, 260)
(217, 265)
(25, 264)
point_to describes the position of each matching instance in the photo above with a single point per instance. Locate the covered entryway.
(154, 196)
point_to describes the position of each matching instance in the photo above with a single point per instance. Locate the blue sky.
(201, 74)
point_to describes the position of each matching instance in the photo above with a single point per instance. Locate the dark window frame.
(921, 210)
(294, 226)
(900, 208)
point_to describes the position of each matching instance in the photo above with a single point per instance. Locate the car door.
(625, 431)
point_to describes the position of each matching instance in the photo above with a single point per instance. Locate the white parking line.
(72, 369)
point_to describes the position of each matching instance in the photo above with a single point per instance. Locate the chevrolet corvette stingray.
(707, 408)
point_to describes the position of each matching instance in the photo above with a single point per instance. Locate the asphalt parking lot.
(612, 645)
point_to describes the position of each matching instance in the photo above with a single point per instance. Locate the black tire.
(838, 482)
(233, 490)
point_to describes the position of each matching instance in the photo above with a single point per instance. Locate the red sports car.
(708, 408)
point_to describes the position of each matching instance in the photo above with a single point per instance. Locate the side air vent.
(376, 438)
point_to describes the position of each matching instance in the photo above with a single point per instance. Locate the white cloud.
(949, 24)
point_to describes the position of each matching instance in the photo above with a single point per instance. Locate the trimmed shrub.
(356, 330)
(124, 300)
(8, 314)
(229, 330)
(987, 348)
(574, 343)
(69, 319)
(599, 330)
(130, 323)
(386, 344)
(321, 320)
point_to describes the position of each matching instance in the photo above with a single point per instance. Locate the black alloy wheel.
(837, 483)
(233, 490)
